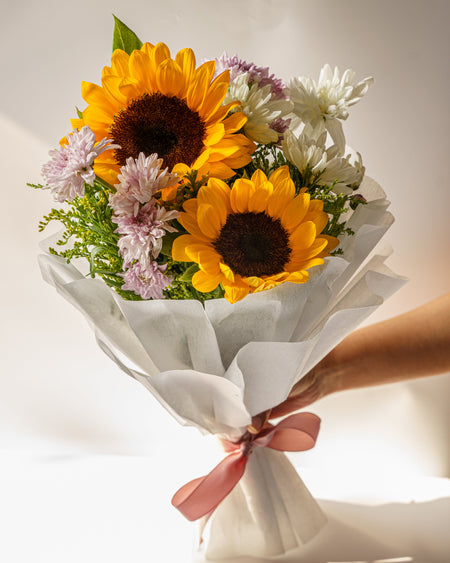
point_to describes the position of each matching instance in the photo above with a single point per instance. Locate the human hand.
(313, 386)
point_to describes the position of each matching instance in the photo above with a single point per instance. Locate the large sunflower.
(254, 236)
(151, 103)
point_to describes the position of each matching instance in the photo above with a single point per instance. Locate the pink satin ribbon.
(202, 496)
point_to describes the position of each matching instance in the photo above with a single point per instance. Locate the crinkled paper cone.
(214, 367)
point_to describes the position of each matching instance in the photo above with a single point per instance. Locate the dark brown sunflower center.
(253, 244)
(161, 124)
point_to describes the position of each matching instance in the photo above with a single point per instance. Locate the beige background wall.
(58, 393)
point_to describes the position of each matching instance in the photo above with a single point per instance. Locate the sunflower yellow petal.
(217, 199)
(259, 178)
(216, 94)
(199, 85)
(227, 272)
(220, 170)
(301, 276)
(283, 193)
(241, 193)
(170, 79)
(181, 169)
(179, 248)
(191, 225)
(235, 122)
(214, 134)
(280, 175)
(209, 220)
(303, 237)
(119, 62)
(201, 253)
(258, 201)
(222, 190)
(295, 211)
(138, 64)
(147, 48)
(160, 53)
(235, 292)
(332, 243)
(76, 124)
(186, 61)
(205, 283)
(93, 94)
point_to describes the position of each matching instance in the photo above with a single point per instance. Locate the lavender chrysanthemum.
(142, 233)
(70, 166)
(139, 179)
(257, 74)
(146, 281)
(280, 125)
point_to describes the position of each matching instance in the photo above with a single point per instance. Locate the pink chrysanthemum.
(142, 234)
(146, 281)
(139, 179)
(70, 166)
(280, 125)
(257, 74)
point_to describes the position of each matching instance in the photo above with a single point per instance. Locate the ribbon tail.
(203, 495)
(296, 433)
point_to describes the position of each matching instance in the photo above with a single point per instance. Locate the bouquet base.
(268, 513)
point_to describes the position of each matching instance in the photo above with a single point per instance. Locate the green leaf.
(94, 252)
(187, 275)
(79, 113)
(124, 38)
(168, 242)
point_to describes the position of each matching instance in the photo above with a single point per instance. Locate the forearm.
(406, 347)
(409, 346)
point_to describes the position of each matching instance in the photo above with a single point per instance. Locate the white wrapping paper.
(216, 366)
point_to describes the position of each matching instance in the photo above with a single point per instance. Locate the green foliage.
(89, 234)
(124, 38)
(182, 288)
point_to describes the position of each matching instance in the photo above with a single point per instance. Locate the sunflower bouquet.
(219, 240)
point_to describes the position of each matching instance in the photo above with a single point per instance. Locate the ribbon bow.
(202, 496)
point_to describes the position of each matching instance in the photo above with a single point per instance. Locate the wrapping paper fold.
(216, 366)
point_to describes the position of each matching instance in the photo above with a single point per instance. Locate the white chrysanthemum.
(259, 107)
(325, 103)
(308, 152)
